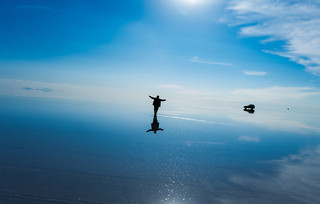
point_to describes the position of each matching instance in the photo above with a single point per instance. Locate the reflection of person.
(156, 103)
(155, 125)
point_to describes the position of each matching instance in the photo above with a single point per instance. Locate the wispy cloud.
(254, 73)
(189, 119)
(47, 90)
(276, 94)
(27, 88)
(295, 179)
(191, 143)
(196, 59)
(298, 123)
(296, 23)
(249, 139)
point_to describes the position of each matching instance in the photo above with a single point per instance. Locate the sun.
(192, 1)
(192, 4)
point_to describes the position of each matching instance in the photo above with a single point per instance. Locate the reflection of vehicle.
(249, 108)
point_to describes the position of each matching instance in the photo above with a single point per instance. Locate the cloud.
(249, 139)
(296, 23)
(27, 88)
(254, 73)
(47, 90)
(295, 179)
(191, 143)
(196, 60)
(189, 119)
(298, 122)
(276, 94)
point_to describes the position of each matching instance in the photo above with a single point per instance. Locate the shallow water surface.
(58, 153)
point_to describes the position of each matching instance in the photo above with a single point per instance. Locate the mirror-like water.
(59, 154)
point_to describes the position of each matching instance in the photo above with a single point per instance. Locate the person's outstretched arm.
(163, 99)
(151, 97)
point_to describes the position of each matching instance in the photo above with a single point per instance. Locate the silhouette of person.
(156, 103)
(155, 125)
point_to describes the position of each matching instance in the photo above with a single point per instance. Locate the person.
(155, 125)
(156, 103)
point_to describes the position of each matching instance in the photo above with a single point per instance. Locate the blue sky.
(206, 57)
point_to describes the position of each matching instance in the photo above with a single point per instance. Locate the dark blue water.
(59, 151)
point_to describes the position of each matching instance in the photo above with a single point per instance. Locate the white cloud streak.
(197, 60)
(249, 139)
(189, 119)
(191, 143)
(296, 180)
(280, 121)
(254, 73)
(296, 23)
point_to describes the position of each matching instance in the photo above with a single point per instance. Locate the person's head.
(158, 96)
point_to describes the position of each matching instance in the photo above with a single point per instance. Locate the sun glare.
(195, 8)
(192, 1)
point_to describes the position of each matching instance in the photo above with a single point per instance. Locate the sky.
(206, 58)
